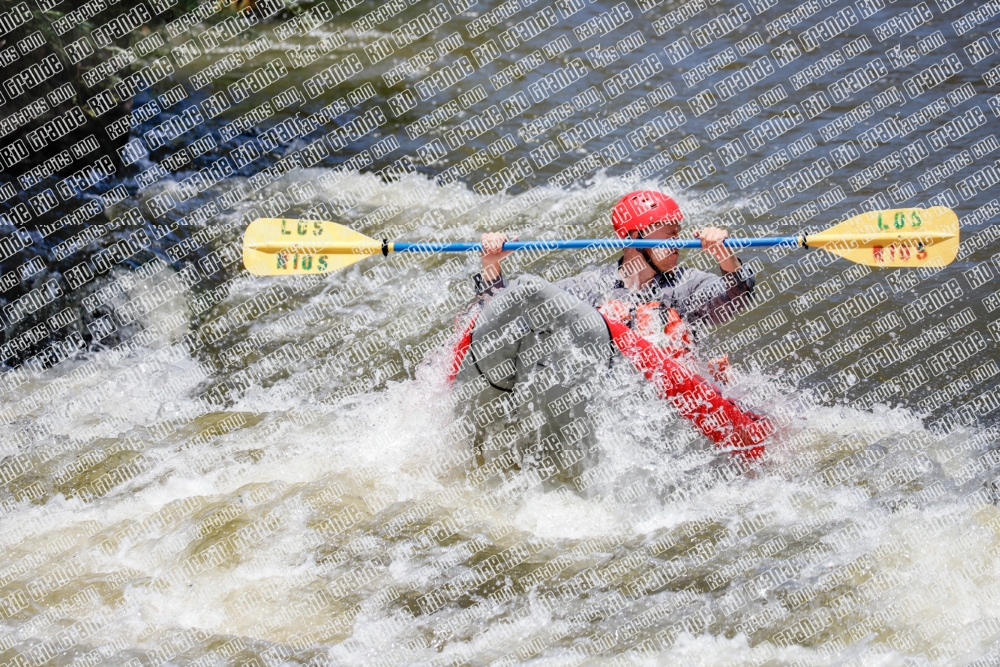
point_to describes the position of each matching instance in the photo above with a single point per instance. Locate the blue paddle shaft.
(401, 246)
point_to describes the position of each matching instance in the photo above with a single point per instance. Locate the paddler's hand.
(711, 241)
(493, 252)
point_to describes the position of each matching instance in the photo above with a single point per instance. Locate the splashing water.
(208, 504)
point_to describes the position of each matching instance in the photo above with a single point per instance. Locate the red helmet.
(638, 210)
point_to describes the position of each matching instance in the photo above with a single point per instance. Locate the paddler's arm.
(716, 299)
(712, 242)
(490, 279)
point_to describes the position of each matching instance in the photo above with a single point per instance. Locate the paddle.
(896, 238)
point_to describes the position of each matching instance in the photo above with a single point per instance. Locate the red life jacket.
(671, 336)
(646, 320)
(720, 419)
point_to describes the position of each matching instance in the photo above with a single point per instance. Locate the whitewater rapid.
(196, 502)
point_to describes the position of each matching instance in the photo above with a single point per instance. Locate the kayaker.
(531, 352)
(646, 289)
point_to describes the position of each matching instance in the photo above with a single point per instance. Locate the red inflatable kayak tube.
(460, 350)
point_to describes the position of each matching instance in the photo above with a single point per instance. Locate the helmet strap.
(649, 258)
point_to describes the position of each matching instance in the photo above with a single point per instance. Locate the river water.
(270, 470)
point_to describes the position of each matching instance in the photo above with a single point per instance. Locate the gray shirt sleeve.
(701, 297)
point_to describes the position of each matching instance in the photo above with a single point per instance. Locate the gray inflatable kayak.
(541, 352)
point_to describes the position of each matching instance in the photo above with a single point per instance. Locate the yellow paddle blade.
(283, 247)
(896, 238)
